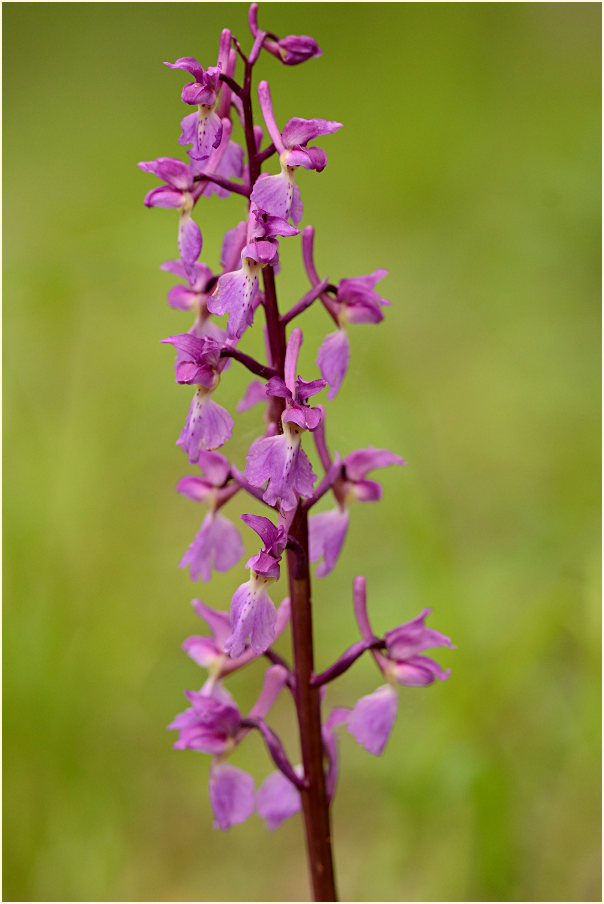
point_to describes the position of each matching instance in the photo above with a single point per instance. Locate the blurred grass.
(469, 165)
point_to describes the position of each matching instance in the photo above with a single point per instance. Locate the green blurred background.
(469, 165)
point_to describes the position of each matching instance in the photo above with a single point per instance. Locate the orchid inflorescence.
(278, 472)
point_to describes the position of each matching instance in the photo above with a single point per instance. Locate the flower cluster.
(277, 472)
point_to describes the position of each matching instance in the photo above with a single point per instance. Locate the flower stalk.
(278, 475)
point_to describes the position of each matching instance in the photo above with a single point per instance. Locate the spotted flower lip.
(252, 611)
(203, 129)
(208, 426)
(282, 463)
(236, 292)
(253, 616)
(208, 651)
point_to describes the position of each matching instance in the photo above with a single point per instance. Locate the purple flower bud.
(295, 49)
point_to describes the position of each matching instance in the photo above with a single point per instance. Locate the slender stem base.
(315, 805)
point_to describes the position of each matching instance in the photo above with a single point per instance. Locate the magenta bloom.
(327, 531)
(279, 460)
(405, 643)
(355, 302)
(279, 195)
(208, 651)
(208, 425)
(203, 129)
(179, 192)
(278, 471)
(209, 726)
(253, 614)
(198, 360)
(193, 295)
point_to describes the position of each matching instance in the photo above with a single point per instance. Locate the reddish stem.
(315, 805)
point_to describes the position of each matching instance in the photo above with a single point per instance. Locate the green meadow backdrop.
(469, 166)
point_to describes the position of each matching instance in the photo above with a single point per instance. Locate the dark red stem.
(315, 805)
(261, 370)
